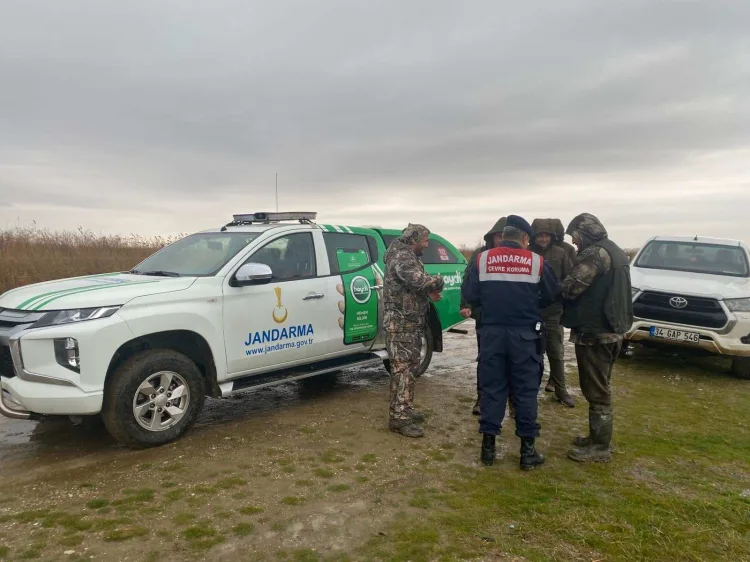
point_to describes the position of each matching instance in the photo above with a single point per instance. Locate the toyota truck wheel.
(425, 354)
(741, 367)
(153, 398)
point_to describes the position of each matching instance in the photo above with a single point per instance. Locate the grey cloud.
(135, 104)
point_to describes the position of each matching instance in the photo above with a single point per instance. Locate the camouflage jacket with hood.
(594, 262)
(476, 312)
(406, 284)
(555, 254)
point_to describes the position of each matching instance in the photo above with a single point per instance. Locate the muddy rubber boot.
(475, 410)
(530, 457)
(582, 441)
(599, 448)
(406, 427)
(417, 416)
(557, 381)
(550, 385)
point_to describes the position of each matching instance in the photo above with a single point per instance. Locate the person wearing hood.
(546, 243)
(598, 309)
(491, 240)
(407, 291)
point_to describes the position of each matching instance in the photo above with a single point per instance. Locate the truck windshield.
(197, 255)
(714, 259)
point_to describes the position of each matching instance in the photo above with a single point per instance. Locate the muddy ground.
(303, 471)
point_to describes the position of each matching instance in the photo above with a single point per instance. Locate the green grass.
(231, 482)
(243, 529)
(125, 533)
(323, 473)
(184, 518)
(673, 491)
(4, 552)
(293, 500)
(251, 510)
(202, 536)
(97, 503)
(339, 488)
(369, 457)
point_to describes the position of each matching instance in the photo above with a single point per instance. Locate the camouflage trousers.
(403, 353)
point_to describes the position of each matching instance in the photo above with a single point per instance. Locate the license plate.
(675, 335)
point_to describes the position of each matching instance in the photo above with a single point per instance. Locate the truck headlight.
(59, 317)
(738, 305)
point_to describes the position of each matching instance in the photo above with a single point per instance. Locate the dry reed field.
(29, 255)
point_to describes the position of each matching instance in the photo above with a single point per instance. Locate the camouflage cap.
(414, 233)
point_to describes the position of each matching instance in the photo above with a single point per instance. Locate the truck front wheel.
(153, 398)
(741, 367)
(425, 354)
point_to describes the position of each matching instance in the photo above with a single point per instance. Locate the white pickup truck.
(262, 300)
(694, 291)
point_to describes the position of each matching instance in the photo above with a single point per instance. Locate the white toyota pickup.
(694, 291)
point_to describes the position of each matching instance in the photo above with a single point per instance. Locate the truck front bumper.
(730, 343)
(22, 399)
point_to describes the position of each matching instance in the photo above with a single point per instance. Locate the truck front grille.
(6, 362)
(699, 311)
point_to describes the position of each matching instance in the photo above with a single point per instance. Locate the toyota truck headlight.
(60, 317)
(738, 305)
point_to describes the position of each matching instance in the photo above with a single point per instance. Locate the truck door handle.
(311, 296)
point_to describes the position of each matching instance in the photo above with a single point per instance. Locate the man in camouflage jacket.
(548, 244)
(406, 300)
(599, 311)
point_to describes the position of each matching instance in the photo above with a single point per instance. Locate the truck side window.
(347, 252)
(289, 257)
(437, 253)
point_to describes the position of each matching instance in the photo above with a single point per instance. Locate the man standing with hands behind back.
(406, 294)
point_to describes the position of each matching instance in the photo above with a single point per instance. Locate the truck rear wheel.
(741, 367)
(425, 354)
(153, 398)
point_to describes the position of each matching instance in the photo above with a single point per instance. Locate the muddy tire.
(741, 367)
(428, 343)
(153, 398)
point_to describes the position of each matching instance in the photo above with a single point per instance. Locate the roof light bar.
(274, 217)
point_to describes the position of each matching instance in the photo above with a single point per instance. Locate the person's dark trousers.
(509, 362)
(595, 363)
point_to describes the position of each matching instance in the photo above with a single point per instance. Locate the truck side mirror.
(252, 274)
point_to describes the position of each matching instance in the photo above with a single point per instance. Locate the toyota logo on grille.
(678, 302)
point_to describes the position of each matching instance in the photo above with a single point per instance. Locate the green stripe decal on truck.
(43, 300)
(43, 295)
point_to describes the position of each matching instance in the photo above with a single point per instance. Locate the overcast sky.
(159, 117)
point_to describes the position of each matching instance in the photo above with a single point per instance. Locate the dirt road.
(303, 471)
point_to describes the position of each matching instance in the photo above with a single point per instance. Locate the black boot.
(488, 449)
(530, 457)
(476, 410)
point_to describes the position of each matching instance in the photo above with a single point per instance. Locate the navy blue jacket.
(512, 285)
